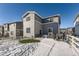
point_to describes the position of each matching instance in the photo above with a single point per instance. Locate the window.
(49, 30)
(28, 19)
(27, 30)
(11, 32)
(51, 19)
(38, 18)
(17, 33)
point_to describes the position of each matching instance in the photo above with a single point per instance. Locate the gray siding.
(77, 29)
(54, 26)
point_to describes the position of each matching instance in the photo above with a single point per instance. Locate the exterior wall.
(38, 26)
(1, 31)
(28, 24)
(19, 30)
(58, 28)
(12, 32)
(56, 19)
(6, 30)
(53, 26)
(53, 23)
(77, 20)
(77, 29)
(77, 26)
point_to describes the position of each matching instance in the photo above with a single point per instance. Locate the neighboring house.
(34, 25)
(6, 29)
(76, 23)
(62, 30)
(1, 31)
(16, 30)
(70, 30)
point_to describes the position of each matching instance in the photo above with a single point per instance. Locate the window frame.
(28, 30)
(28, 19)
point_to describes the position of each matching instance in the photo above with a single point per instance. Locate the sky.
(10, 12)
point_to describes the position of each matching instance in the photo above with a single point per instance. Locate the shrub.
(29, 41)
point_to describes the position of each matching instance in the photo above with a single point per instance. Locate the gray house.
(76, 23)
(16, 30)
(34, 25)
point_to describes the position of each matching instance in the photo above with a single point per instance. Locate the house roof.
(57, 15)
(76, 17)
(43, 18)
(12, 22)
(28, 12)
(16, 22)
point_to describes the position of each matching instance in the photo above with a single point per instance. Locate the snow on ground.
(44, 47)
(14, 48)
(50, 47)
(47, 47)
(62, 49)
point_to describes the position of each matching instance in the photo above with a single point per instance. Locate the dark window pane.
(28, 19)
(27, 30)
(11, 32)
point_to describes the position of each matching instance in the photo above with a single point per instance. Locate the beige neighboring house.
(1, 31)
(6, 29)
(34, 25)
(70, 30)
(76, 23)
(16, 30)
(62, 30)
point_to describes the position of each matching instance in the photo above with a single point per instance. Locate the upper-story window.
(28, 19)
(51, 19)
(38, 18)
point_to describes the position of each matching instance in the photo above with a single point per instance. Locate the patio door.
(40, 32)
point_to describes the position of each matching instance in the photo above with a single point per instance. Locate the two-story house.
(16, 30)
(6, 29)
(34, 25)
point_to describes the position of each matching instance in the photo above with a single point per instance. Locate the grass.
(29, 41)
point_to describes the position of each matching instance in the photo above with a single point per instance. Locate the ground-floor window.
(11, 32)
(27, 30)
